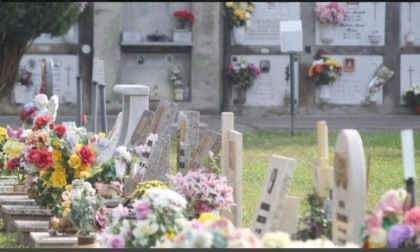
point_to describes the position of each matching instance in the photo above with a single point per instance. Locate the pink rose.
(390, 202)
(412, 218)
(373, 223)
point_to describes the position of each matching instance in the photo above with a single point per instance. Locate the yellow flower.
(229, 4)
(78, 146)
(331, 62)
(101, 134)
(13, 148)
(239, 14)
(41, 175)
(207, 216)
(251, 8)
(56, 155)
(84, 175)
(3, 134)
(170, 236)
(59, 168)
(69, 187)
(75, 161)
(83, 168)
(56, 143)
(66, 212)
(66, 204)
(58, 179)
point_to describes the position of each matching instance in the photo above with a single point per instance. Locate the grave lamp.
(291, 41)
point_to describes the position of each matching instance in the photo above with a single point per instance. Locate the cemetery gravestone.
(349, 188)
(113, 137)
(156, 141)
(271, 201)
(231, 161)
(210, 142)
(187, 137)
(142, 129)
(410, 72)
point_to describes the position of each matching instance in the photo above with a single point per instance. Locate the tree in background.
(21, 23)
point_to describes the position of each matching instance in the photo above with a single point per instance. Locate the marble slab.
(25, 227)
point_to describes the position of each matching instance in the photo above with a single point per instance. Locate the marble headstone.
(187, 137)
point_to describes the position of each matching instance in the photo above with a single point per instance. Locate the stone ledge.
(134, 89)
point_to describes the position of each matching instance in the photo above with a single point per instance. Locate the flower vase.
(179, 94)
(326, 33)
(238, 35)
(324, 93)
(417, 109)
(86, 239)
(182, 35)
(410, 37)
(241, 96)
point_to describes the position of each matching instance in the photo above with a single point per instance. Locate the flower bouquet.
(324, 70)
(175, 76)
(3, 140)
(239, 14)
(27, 115)
(382, 75)
(330, 13)
(158, 218)
(204, 191)
(392, 224)
(412, 95)
(185, 19)
(13, 146)
(242, 74)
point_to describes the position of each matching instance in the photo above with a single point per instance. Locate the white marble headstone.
(349, 188)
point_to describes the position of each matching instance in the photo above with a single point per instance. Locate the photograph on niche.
(352, 5)
(265, 66)
(348, 65)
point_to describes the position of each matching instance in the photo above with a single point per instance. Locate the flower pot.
(417, 109)
(241, 96)
(86, 240)
(19, 188)
(182, 35)
(327, 33)
(179, 94)
(324, 93)
(410, 37)
(238, 35)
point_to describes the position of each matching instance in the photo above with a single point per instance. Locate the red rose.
(86, 155)
(40, 122)
(83, 119)
(40, 158)
(60, 130)
(52, 126)
(93, 139)
(13, 164)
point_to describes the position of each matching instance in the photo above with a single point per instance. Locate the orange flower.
(311, 71)
(319, 68)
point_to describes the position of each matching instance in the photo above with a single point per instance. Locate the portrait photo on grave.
(348, 65)
(265, 66)
(352, 5)
(340, 170)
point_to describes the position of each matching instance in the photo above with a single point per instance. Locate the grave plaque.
(271, 202)
(349, 188)
(65, 70)
(362, 19)
(265, 20)
(210, 142)
(98, 74)
(352, 86)
(272, 86)
(142, 129)
(187, 137)
(156, 141)
(410, 72)
(410, 31)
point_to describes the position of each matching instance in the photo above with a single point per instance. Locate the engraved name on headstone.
(271, 201)
(349, 188)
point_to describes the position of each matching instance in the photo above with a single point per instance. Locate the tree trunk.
(11, 52)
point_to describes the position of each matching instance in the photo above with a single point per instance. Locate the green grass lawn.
(386, 168)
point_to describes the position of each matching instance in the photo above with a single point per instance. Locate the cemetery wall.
(204, 59)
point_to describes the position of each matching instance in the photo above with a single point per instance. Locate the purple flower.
(142, 209)
(397, 234)
(116, 241)
(196, 224)
(119, 212)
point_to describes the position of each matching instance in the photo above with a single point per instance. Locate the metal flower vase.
(324, 92)
(326, 33)
(238, 35)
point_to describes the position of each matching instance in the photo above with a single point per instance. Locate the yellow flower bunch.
(239, 13)
(206, 216)
(143, 186)
(13, 148)
(3, 135)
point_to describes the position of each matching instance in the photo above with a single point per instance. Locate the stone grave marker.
(349, 188)
(211, 142)
(187, 137)
(271, 203)
(150, 160)
(113, 137)
(44, 240)
(142, 129)
(231, 162)
(25, 227)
